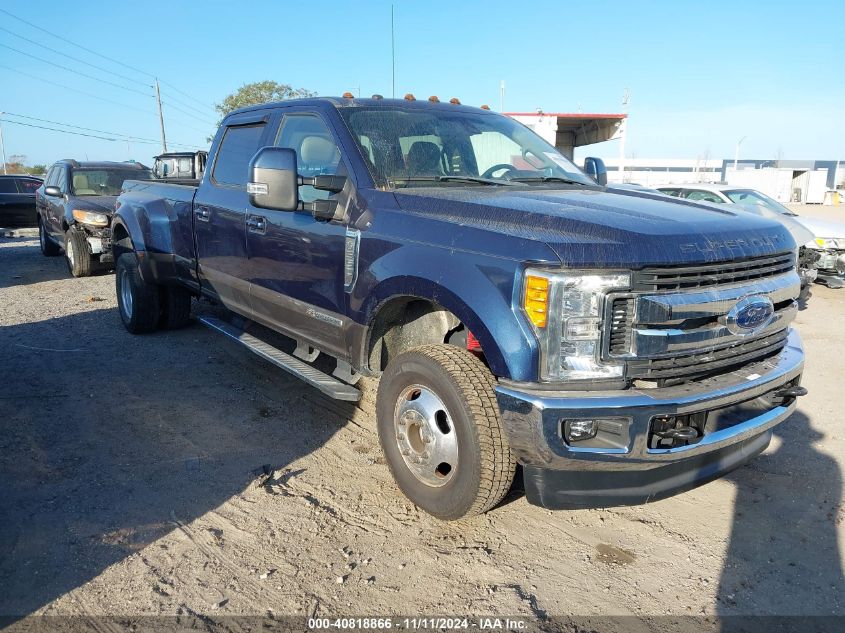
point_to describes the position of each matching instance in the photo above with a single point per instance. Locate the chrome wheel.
(125, 294)
(426, 436)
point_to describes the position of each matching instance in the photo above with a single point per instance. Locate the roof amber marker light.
(434, 99)
(536, 300)
(348, 95)
(454, 101)
(410, 97)
(485, 107)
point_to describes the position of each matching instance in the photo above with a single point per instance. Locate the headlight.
(91, 218)
(828, 242)
(565, 310)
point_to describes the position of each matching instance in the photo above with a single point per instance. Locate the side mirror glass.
(273, 179)
(596, 169)
(52, 190)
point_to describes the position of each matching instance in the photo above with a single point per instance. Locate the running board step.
(314, 377)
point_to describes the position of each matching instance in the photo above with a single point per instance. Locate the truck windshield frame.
(436, 147)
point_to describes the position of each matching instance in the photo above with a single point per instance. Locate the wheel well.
(121, 242)
(406, 322)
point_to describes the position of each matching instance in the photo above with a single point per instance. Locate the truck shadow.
(113, 443)
(783, 557)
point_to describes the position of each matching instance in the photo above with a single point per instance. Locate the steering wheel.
(489, 173)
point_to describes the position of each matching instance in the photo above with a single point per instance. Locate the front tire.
(48, 247)
(137, 300)
(441, 432)
(80, 262)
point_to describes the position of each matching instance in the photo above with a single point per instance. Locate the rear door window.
(239, 144)
(27, 185)
(7, 185)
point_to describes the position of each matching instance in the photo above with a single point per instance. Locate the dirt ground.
(131, 483)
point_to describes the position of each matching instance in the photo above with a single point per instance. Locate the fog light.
(578, 430)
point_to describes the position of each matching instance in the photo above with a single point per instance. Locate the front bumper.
(559, 475)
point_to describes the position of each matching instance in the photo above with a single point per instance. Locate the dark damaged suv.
(621, 346)
(75, 206)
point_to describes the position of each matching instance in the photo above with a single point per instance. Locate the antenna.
(623, 132)
(392, 56)
(502, 96)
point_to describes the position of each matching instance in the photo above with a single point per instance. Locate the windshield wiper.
(569, 181)
(466, 179)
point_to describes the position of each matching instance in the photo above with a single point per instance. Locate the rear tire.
(80, 262)
(441, 432)
(137, 300)
(175, 306)
(48, 247)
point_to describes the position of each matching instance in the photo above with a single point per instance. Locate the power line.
(93, 96)
(35, 26)
(47, 61)
(93, 52)
(87, 94)
(128, 137)
(182, 92)
(42, 127)
(190, 114)
(76, 59)
(204, 111)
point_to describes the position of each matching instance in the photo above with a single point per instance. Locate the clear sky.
(701, 75)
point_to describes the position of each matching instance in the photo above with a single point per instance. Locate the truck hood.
(100, 204)
(590, 227)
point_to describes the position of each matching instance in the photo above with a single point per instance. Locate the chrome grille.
(682, 368)
(705, 275)
(621, 314)
(673, 327)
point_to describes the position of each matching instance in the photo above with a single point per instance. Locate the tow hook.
(684, 433)
(791, 392)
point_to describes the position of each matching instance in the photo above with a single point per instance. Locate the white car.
(823, 241)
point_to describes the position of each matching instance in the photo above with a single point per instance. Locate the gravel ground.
(130, 483)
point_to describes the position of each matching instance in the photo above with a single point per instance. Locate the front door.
(296, 263)
(220, 209)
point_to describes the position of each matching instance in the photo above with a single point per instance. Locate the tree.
(260, 92)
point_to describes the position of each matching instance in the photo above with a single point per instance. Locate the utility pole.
(392, 57)
(736, 152)
(623, 132)
(161, 117)
(2, 147)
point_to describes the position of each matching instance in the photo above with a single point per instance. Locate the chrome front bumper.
(560, 475)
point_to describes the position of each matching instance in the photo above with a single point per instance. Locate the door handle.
(202, 214)
(256, 224)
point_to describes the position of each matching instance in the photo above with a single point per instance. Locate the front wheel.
(137, 300)
(80, 262)
(441, 432)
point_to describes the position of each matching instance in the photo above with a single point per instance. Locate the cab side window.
(239, 144)
(703, 196)
(52, 177)
(317, 153)
(61, 180)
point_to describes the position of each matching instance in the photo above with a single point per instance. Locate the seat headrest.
(80, 181)
(317, 150)
(424, 158)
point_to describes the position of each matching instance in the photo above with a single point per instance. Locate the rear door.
(220, 209)
(295, 261)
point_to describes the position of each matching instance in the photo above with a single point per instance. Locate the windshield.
(104, 182)
(409, 147)
(751, 197)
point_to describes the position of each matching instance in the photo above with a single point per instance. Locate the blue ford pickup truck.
(619, 346)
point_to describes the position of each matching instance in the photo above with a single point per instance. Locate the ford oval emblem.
(750, 315)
